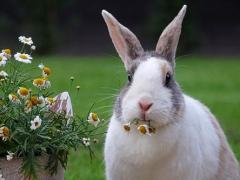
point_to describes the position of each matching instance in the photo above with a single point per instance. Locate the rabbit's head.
(151, 93)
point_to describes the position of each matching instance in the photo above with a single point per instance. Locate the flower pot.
(11, 170)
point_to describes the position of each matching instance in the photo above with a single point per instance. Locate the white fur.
(148, 85)
(185, 150)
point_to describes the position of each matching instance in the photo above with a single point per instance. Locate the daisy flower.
(34, 100)
(3, 75)
(23, 57)
(4, 133)
(39, 82)
(7, 53)
(78, 87)
(46, 71)
(13, 98)
(9, 156)
(33, 47)
(47, 84)
(3, 59)
(93, 119)
(50, 100)
(25, 40)
(127, 127)
(36, 123)
(29, 106)
(23, 92)
(41, 102)
(95, 141)
(144, 129)
(86, 141)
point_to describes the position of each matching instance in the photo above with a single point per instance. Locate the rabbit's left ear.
(168, 41)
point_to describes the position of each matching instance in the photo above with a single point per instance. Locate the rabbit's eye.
(168, 78)
(129, 77)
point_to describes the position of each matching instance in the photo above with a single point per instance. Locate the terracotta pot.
(11, 170)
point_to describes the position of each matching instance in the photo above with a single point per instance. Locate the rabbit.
(188, 143)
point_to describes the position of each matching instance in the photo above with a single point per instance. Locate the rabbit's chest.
(133, 156)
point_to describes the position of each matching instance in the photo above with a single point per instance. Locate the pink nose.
(145, 106)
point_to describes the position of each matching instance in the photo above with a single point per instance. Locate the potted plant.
(37, 130)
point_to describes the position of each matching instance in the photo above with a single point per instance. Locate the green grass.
(215, 82)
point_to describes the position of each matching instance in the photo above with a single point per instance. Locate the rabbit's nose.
(145, 106)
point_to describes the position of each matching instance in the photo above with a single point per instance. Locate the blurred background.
(71, 38)
(75, 27)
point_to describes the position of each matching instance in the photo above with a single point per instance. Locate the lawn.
(214, 81)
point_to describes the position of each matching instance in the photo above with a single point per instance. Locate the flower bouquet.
(37, 130)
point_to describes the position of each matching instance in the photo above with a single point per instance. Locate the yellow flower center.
(23, 91)
(94, 117)
(50, 100)
(23, 56)
(1, 58)
(39, 81)
(34, 100)
(5, 132)
(7, 51)
(47, 70)
(142, 129)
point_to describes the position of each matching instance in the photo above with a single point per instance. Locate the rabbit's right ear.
(168, 41)
(125, 42)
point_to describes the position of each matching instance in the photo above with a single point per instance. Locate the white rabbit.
(188, 143)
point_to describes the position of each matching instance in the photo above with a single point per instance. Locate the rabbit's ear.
(125, 42)
(168, 41)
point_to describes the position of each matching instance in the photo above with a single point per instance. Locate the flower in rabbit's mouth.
(144, 129)
(36, 123)
(25, 40)
(46, 71)
(23, 92)
(7, 53)
(3, 59)
(127, 127)
(9, 156)
(93, 119)
(23, 57)
(4, 133)
(86, 141)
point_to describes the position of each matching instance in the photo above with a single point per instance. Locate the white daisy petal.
(93, 119)
(36, 123)
(3, 59)
(10, 156)
(86, 141)
(23, 57)
(3, 75)
(25, 40)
